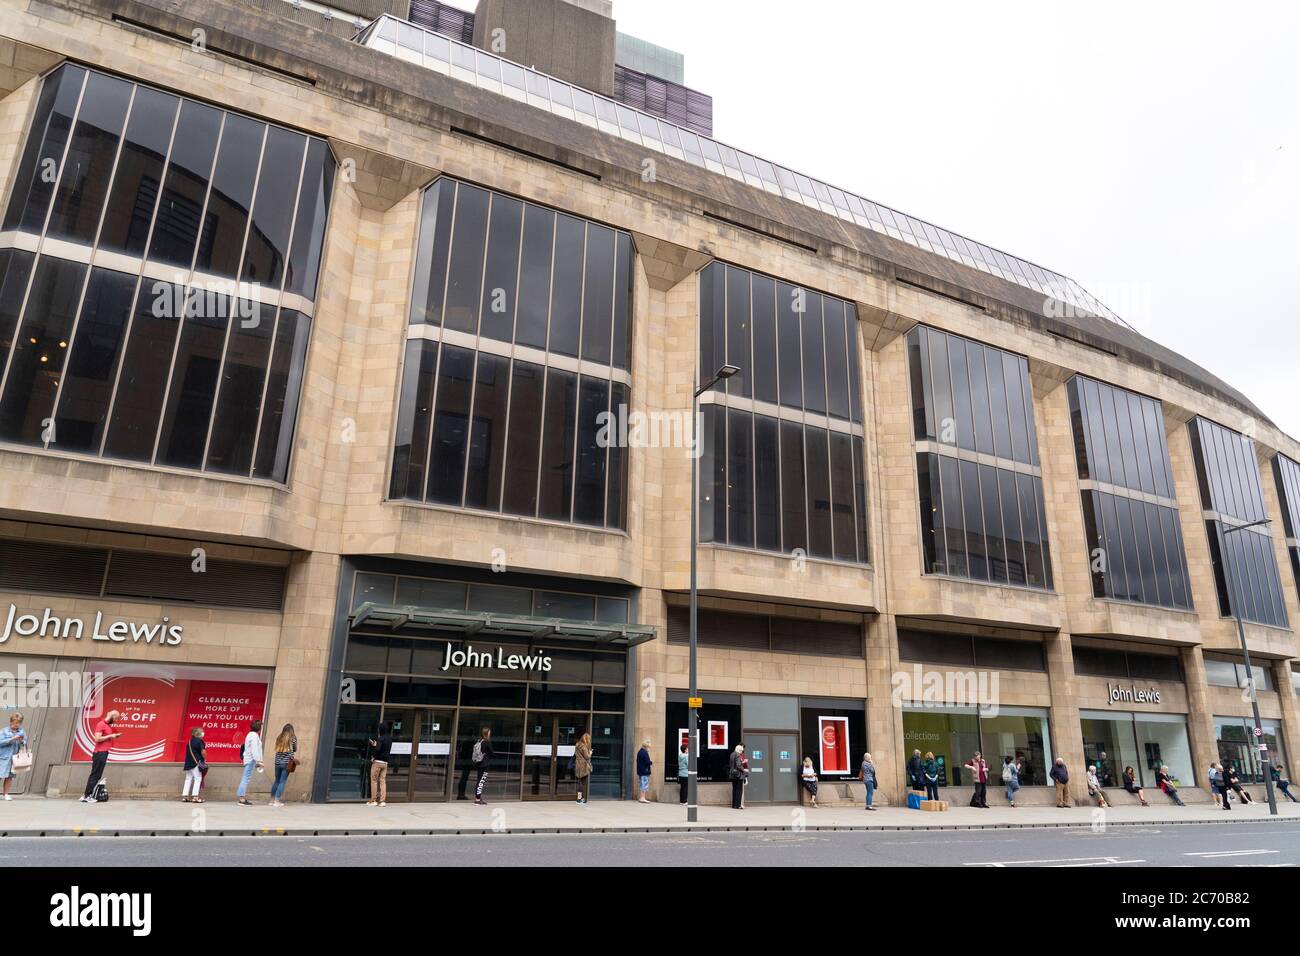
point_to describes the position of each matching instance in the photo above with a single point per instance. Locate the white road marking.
(1062, 862)
(1215, 854)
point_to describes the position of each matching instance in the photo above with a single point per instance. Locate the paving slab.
(41, 816)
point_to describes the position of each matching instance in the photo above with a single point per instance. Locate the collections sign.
(158, 713)
(498, 660)
(49, 624)
(1132, 694)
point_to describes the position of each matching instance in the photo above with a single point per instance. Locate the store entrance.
(773, 768)
(419, 767)
(550, 743)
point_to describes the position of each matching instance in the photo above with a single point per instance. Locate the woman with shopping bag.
(15, 753)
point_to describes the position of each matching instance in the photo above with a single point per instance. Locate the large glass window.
(1287, 475)
(980, 519)
(113, 363)
(1239, 747)
(767, 481)
(1231, 495)
(548, 297)
(1145, 742)
(1135, 544)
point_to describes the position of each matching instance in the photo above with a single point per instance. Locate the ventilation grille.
(99, 572)
(444, 19)
(664, 99)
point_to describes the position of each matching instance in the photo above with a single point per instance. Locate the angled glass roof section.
(469, 623)
(447, 56)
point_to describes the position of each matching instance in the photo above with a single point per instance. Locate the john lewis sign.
(116, 631)
(1132, 694)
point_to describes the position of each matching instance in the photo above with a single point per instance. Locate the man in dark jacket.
(1061, 777)
(736, 773)
(915, 771)
(979, 772)
(644, 768)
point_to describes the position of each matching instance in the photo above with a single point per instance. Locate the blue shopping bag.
(914, 801)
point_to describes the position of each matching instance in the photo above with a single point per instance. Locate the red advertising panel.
(160, 706)
(834, 744)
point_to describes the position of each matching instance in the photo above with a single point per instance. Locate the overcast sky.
(1150, 151)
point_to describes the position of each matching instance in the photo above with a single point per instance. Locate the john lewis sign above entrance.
(1132, 694)
(48, 624)
(499, 660)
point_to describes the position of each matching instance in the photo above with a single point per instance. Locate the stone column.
(1200, 717)
(1067, 736)
(884, 719)
(1290, 705)
(301, 662)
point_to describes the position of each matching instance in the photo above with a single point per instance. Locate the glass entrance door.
(399, 760)
(549, 748)
(432, 758)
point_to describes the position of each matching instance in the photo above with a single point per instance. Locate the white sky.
(1149, 150)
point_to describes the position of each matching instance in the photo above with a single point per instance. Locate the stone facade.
(392, 142)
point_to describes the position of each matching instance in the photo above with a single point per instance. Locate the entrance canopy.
(503, 625)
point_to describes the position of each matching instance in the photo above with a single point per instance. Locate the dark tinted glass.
(309, 222)
(566, 285)
(524, 446)
(616, 494)
(739, 339)
(185, 185)
(15, 269)
(487, 440)
(589, 495)
(414, 419)
(855, 372)
(194, 381)
(428, 291)
(817, 455)
(979, 390)
(860, 497)
(767, 484)
(740, 478)
(764, 377)
(142, 382)
(239, 398)
(40, 350)
(555, 499)
(961, 402)
(972, 506)
(1014, 550)
(843, 526)
(713, 474)
(794, 513)
(273, 207)
(139, 172)
(789, 355)
(451, 425)
(535, 276)
(953, 516)
(598, 295)
(465, 274)
(88, 384)
(283, 392)
(39, 167)
(501, 272)
(79, 200)
(927, 473)
(622, 347)
(991, 500)
(814, 354)
(837, 359)
(225, 221)
(945, 421)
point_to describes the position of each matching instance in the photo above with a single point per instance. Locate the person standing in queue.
(644, 767)
(196, 761)
(930, 771)
(12, 739)
(1060, 775)
(683, 773)
(979, 772)
(481, 758)
(1011, 777)
(582, 766)
(916, 771)
(736, 774)
(252, 751)
(867, 774)
(104, 737)
(381, 749)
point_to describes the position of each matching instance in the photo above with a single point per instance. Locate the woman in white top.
(252, 760)
(809, 779)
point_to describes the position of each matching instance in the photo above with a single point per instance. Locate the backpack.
(476, 755)
(100, 793)
(1006, 773)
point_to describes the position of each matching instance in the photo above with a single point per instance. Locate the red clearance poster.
(834, 744)
(158, 711)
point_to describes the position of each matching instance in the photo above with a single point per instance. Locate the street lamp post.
(1245, 654)
(693, 740)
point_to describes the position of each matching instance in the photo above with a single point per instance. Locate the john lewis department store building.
(310, 346)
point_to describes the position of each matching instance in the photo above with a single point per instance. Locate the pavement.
(41, 816)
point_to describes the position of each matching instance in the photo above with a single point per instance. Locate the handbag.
(292, 765)
(22, 760)
(201, 764)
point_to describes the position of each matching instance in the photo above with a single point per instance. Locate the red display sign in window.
(159, 708)
(834, 744)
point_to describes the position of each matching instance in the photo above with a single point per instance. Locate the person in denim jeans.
(867, 774)
(286, 753)
(252, 761)
(644, 766)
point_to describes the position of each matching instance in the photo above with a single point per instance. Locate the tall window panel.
(1227, 472)
(161, 359)
(516, 373)
(979, 480)
(1286, 472)
(783, 463)
(1130, 514)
